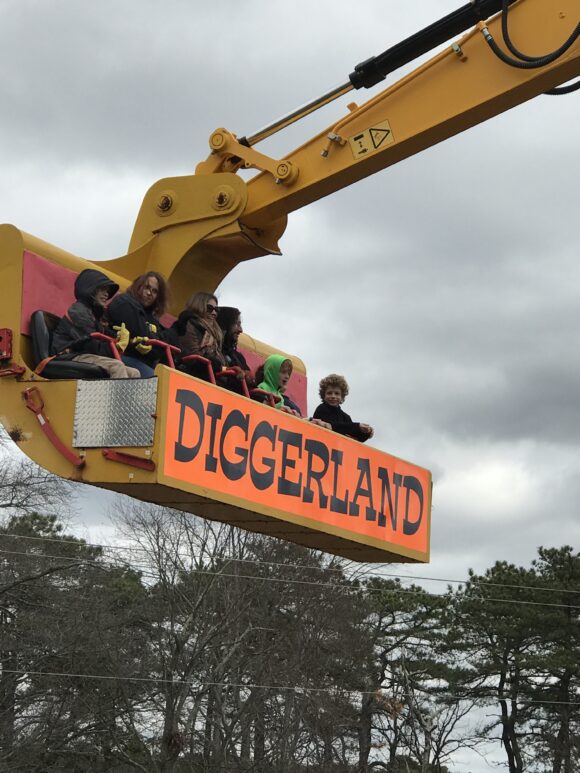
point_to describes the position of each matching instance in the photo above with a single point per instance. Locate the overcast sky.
(445, 289)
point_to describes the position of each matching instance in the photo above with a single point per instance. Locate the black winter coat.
(340, 421)
(72, 334)
(140, 322)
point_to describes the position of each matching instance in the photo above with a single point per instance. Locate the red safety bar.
(34, 402)
(169, 348)
(112, 342)
(256, 393)
(213, 377)
(205, 361)
(235, 372)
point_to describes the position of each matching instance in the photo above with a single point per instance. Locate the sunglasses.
(211, 309)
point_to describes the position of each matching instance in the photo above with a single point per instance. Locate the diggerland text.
(261, 455)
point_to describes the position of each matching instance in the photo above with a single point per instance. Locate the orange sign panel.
(239, 451)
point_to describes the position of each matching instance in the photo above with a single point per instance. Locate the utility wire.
(262, 562)
(309, 583)
(279, 687)
(135, 549)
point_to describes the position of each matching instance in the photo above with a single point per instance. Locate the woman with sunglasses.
(199, 333)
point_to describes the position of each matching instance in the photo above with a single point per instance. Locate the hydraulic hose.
(373, 70)
(523, 61)
(524, 57)
(561, 90)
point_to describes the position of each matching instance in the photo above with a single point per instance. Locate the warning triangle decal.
(378, 136)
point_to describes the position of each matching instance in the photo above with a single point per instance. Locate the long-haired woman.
(139, 308)
(199, 333)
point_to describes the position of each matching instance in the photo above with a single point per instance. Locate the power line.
(135, 549)
(260, 562)
(289, 581)
(279, 687)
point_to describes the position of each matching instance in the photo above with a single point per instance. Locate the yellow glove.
(123, 336)
(141, 345)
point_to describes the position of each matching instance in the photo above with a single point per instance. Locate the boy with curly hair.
(333, 390)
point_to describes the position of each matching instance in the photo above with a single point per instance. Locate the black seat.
(42, 326)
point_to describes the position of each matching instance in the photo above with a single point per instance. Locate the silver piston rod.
(374, 70)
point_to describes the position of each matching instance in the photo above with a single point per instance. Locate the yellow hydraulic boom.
(196, 447)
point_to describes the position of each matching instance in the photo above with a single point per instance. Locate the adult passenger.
(139, 308)
(199, 333)
(230, 321)
(72, 337)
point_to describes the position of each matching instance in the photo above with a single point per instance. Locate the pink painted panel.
(50, 287)
(45, 286)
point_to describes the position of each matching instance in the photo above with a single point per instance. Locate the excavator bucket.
(187, 444)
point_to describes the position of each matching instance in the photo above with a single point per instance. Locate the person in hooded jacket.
(273, 376)
(72, 337)
(198, 332)
(230, 321)
(139, 308)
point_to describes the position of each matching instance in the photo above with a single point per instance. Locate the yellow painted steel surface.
(228, 458)
(195, 229)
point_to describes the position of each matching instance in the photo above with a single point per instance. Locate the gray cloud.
(444, 288)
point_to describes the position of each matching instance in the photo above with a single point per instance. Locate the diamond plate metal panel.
(115, 413)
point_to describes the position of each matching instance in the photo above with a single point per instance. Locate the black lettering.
(337, 505)
(315, 449)
(214, 411)
(397, 480)
(386, 489)
(364, 467)
(412, 484)
(234, 470)
(285, 486)
(263, 480)
(188, 399)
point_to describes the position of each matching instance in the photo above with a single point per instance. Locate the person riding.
(72, 337)
(273, 377)
(333, 390)
(139, 309)
(230, 321)
(198, 332)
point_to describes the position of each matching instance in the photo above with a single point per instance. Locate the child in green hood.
(277, 372)
(273, 376)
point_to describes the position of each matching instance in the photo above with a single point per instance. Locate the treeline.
(203, 648)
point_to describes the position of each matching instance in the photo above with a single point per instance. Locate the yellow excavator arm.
(197, 228)
(186, 444)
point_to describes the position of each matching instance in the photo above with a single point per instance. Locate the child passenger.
(333, 391)
(273, 377)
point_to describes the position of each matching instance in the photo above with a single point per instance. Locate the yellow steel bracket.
(176, 215)
(228, 154)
